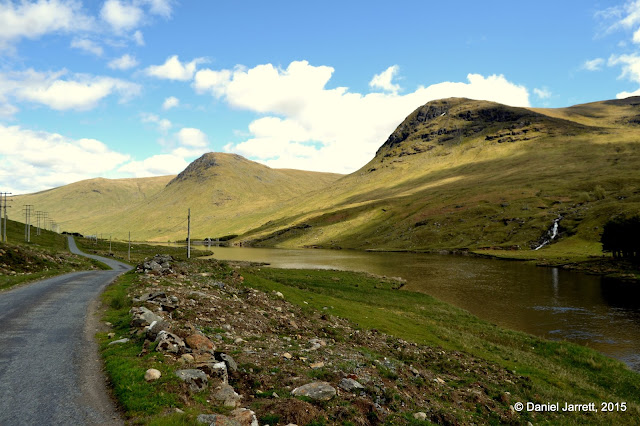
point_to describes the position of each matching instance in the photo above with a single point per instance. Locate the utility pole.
(4, 234)
(189, 234)
(109, 243)
(27, 222)
(129, 255)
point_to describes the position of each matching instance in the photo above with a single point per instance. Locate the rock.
(143, 317)
(317, 365)
(439, 381)
(280, 295)
(125, 340)
(319, 391)
(217, 420)
(244, 416)
(154, 329)
(227, 395)
(200, 343)
(152, 374)
(228, 360)
(287, 355)
(169, 342)
(196, 379)
(215, 370)
(187, 358)
(238, 340)
(350, 385)
(111, 335)
(420, 416)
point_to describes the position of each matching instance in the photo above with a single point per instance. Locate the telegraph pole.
(4, 234)
(129, 255)
(27, 222)
(189, 234)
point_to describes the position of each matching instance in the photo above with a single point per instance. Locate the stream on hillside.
(553, 303)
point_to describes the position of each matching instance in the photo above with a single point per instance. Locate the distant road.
(50, 371)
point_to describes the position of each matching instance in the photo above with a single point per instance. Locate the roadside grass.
(126, 364)
(139, 251)
(46, 255)
(558, 371)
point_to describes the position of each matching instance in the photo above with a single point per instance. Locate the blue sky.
(133, 88)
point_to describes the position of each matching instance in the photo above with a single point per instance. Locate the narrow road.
(50, 372)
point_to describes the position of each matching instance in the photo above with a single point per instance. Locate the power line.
(27, 222)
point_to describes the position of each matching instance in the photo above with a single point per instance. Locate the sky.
(136, 88)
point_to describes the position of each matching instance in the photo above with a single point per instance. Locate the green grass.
(46, 255)
(558, 371)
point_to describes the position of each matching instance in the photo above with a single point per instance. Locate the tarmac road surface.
(50, 372)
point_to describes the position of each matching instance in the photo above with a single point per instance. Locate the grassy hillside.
(462, 174)
(227, 194)
(44, 256)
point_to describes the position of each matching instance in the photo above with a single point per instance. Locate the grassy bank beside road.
(46, 255)
(468, 370)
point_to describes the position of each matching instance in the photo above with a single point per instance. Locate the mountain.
(226, 193)
(466, 174)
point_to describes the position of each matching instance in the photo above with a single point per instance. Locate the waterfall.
(552, 233)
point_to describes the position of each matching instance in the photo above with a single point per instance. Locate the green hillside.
(227, 194)
(462, 174)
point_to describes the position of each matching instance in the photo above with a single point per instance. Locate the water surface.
(548, 302)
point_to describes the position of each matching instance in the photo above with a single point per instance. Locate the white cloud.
(328, 129)
(384, 80)
(81, 92)
(138, 38)
(543, 93)
(173, 69)
(121, 16)
(157, 165)
(191, 142)
(593, 64)
(34, 161)
(630, 66)
(87, 45)
(124, 62)
(160, 7)
(163, 124)
(34, 19)
(193, 138)
(170, 102)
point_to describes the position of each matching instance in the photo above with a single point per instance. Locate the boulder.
(244, 416)
(196, 379)
(318, 391)
(169, 342)
(115, 342)
(201, 343)
(227, 395)
(350, 385)
(228, 360)
(143, 317)
(152, 374)
(215, 370)
(217, 420)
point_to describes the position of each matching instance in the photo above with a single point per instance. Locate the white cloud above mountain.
(311, 127)
(174, 69)
(59, 91)
(41, 160)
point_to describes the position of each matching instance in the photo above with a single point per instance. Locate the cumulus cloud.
(188, 143)
(160, 7)
(121, 16)
(124, 62)
(192, 137)
(309, 126)
(170, 102)
(593, 64)
(87, 45)
(384, 80)
(163, 124)
(157, 165)
(630, 66)
(173, 69)
(35, 19)
(138, 38)
(35, 161)
(79, 92)
(543, 93)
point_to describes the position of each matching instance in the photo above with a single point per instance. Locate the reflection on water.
(548, 302)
